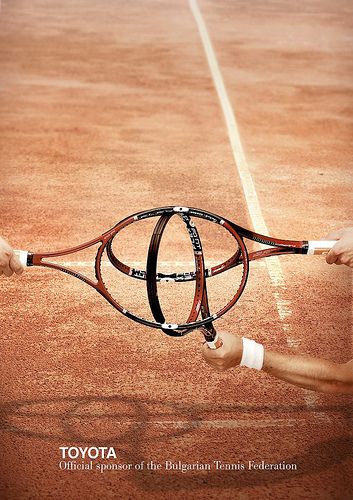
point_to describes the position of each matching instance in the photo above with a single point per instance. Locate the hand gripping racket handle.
(320, 247)
(22, 257)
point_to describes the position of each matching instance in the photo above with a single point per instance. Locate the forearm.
(303, 371)
(310, 373)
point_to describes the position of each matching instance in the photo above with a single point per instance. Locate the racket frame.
(240, 257)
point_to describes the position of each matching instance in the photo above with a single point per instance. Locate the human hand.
(9, 262)
(342, 251)
(226, 356)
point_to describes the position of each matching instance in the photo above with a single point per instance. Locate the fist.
(342, 251)
(9, 262)
(226, 356)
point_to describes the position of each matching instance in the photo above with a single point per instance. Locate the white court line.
(249, 423)
(136, 264)
(254, 208)
(214, 424)
(274, 268)
(243, 423)
(273, 264)
(234, 423)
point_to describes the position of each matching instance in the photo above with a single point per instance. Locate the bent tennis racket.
(200, 315)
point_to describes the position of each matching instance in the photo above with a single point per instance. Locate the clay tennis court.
(110, 108)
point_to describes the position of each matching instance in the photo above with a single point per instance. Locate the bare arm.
(306, 372)
(9, 262)
(310, 373)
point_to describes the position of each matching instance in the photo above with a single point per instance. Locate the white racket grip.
(22, 256)
(320, 247)
(216, 343)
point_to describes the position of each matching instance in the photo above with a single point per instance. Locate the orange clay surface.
(108, 108)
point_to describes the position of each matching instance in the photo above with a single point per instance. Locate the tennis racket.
(200, 315)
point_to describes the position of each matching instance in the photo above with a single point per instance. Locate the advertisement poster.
(169, 170)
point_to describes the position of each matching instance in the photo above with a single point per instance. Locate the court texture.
(107, 108)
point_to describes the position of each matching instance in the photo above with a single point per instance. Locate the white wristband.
(253, 354)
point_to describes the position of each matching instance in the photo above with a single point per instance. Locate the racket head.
(105, 249)
(239, 258)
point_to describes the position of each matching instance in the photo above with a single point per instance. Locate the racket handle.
(216, 343)
(320, 247)
(22, 256)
